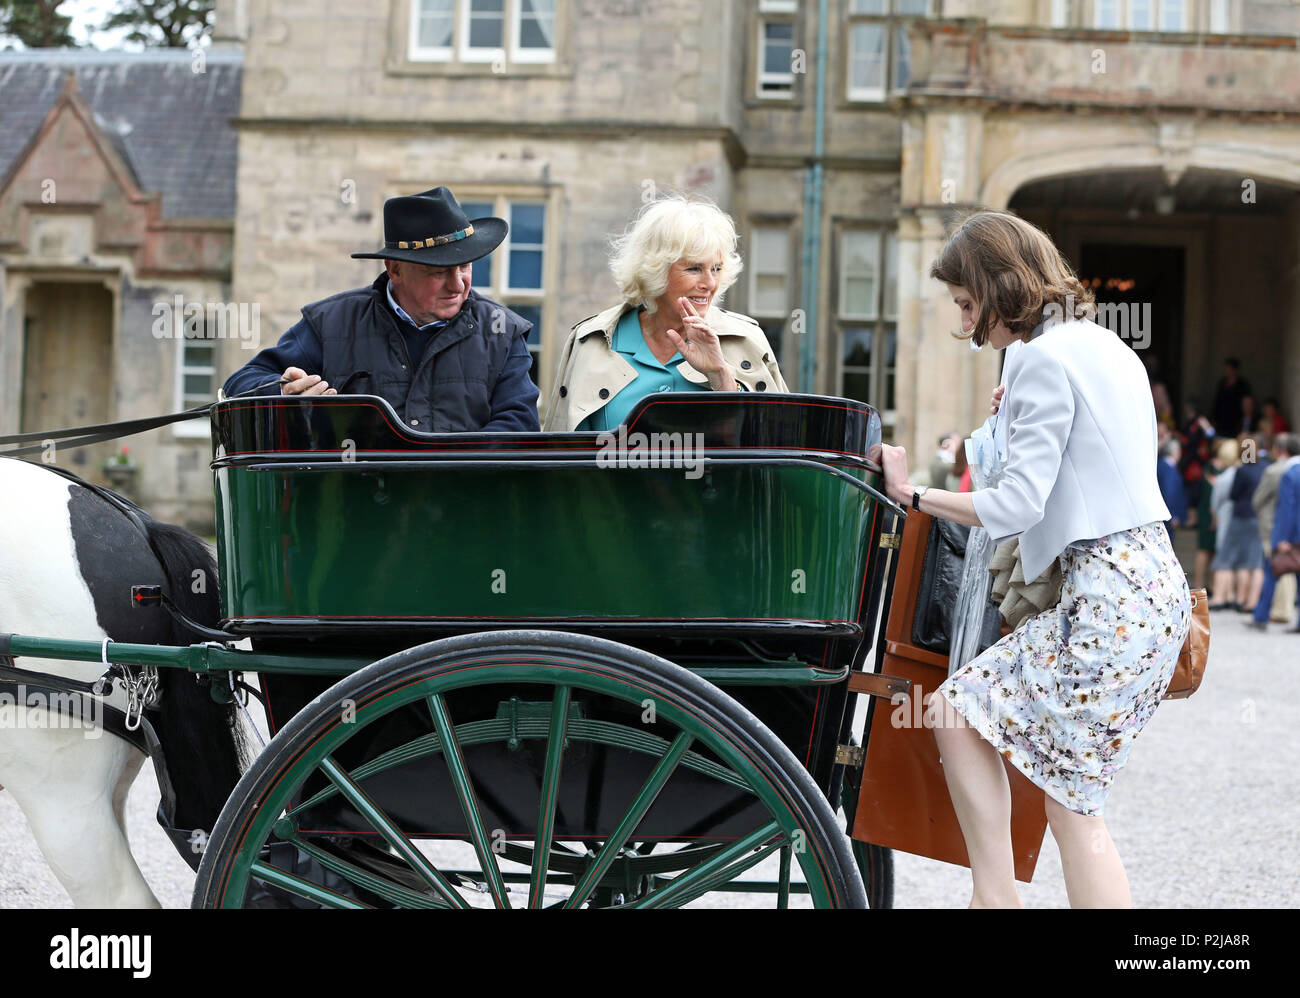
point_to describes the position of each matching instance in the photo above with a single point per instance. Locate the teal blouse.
(651, 376)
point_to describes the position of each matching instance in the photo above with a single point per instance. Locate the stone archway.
(958, 158)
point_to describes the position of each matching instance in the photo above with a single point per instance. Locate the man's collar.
(401, 312)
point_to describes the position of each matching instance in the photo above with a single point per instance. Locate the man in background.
(1277, 594)
(1170, 481)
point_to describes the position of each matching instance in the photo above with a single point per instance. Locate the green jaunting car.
(544, 670)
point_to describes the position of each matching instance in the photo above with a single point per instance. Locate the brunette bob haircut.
(1013, 272)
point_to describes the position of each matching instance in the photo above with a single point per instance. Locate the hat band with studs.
(432, 241)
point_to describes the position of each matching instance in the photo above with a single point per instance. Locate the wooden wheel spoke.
(645, 797)
(711, 871)
(393, 835)
(460, 779)
(550, 792)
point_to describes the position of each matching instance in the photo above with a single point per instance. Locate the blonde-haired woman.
(1062, 698)
(671, 267)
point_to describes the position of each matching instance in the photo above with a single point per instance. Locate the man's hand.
(299, 382)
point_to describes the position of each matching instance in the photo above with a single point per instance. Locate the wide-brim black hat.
(431, 228)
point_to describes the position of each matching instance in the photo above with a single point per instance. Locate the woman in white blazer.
(1061, 698)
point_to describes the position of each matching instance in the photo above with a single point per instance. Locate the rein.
(83, 436)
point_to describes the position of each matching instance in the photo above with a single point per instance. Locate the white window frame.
(199, 427)
(438, 53)
(1220, 17)
(899, 34)
(1124, 16)
(874, 94)
(1062, 13)
(508, 244)
(498, 288)
(460, 50)
(881, 317)
(757, 269)
(516, 29)
(762, 76)
(844, 276)
(465, 16)
(1117, 5)
(892, 22)
(1163, 8)
(1150, 7)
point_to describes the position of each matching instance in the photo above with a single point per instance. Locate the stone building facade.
(1156, 141)
(116, 234)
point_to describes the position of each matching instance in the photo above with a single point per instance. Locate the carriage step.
(877, 684)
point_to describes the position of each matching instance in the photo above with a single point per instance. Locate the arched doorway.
(1189, 273)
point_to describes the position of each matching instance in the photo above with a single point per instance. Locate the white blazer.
(1081, 446)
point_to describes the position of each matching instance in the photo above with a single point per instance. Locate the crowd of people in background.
(1234, 477)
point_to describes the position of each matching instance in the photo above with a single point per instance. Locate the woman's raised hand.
(700, 347)
(996, 402)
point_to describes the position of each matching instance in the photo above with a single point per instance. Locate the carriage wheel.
(698, 727)
(876, 864)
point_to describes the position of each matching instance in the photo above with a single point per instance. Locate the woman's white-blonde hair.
(666, 230)
(1229, 452)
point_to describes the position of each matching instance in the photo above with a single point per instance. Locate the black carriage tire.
(876, 864)
(626, 664)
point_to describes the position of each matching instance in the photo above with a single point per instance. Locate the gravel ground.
(1204, 815)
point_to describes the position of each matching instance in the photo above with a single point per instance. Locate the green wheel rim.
(388, 685)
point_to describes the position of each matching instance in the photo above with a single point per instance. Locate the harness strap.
(62, 701)
(124, 428)
(11, 673)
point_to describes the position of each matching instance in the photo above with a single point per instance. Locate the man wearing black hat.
(446, 358)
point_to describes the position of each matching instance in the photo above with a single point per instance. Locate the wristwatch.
(916, 496)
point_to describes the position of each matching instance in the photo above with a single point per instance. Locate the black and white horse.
(68, 559)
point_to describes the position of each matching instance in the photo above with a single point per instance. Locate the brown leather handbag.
(1196, 649)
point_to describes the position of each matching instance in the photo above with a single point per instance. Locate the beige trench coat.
(589, 365)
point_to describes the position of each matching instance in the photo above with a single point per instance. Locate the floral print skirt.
(1063, 696)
